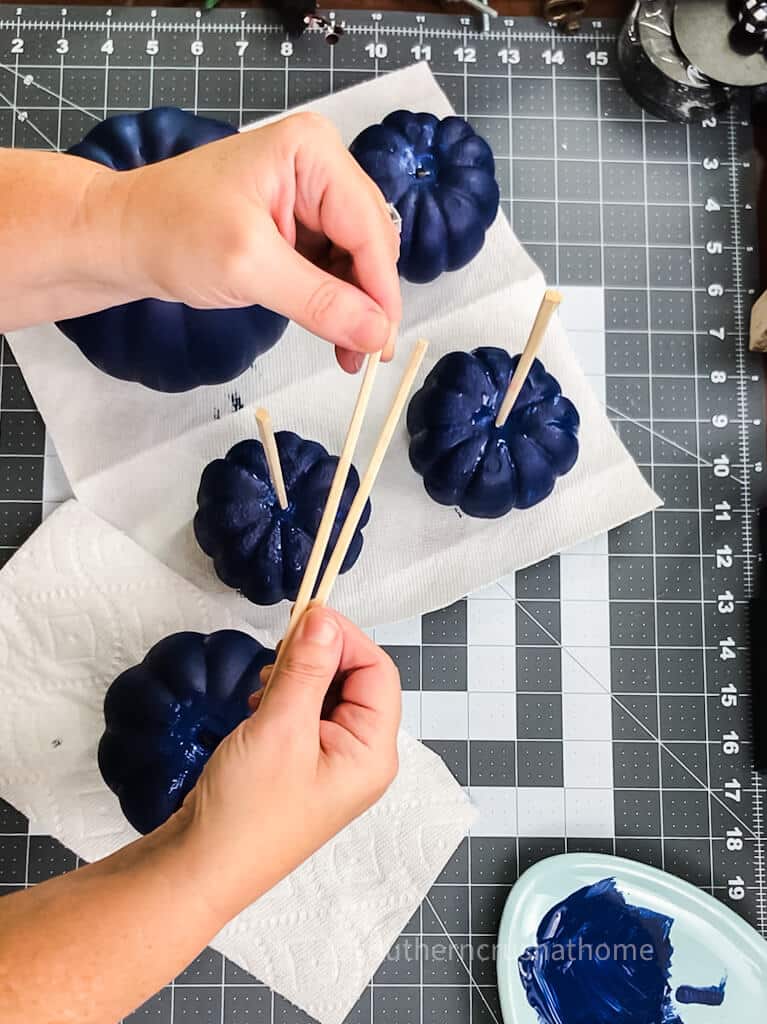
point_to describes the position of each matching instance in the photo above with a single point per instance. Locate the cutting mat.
(598, 701)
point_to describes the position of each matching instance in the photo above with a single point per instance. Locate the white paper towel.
(135, 456)
(80, 603)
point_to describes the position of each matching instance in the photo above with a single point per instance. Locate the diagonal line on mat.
(630, 713)
(465, 966)
(28, 120)
(44, 88)
(666, 440)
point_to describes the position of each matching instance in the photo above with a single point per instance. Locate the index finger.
(335, 196)
(370, 688)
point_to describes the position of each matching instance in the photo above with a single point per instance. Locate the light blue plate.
(709, 940)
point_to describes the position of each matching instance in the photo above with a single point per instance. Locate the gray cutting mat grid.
(598, 701)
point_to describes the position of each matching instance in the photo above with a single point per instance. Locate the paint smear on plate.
(600, 960)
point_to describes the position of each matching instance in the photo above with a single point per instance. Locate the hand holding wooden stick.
(549, 302)
(266, 433)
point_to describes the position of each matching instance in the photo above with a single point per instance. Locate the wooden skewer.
(366, 484)
(360, 498)
(266, 433)
(549, 302)
(330, 511)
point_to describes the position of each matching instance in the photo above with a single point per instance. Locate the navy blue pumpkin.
(464, 459)
(166, 716)
(440, 175)
(257, 547)
(167, 346)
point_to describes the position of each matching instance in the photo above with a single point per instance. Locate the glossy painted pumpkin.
(167, 346)
(440, 175)
(166, 716)
(464, 459)
(257, 547)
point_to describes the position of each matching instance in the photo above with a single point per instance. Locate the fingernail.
(372, 330)
(317, 627)
(391, 341)
(356, 359)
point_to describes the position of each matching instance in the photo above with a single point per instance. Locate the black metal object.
(752, 19)
(298, 15)
(656, 73)
(564, 14)
(713, 37)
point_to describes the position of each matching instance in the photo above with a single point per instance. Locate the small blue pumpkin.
(464, 459)
(440, 175)
(166, 346)
(257, 547)
(166, 716)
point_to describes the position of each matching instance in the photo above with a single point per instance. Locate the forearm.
(60, 238)
(90, 946)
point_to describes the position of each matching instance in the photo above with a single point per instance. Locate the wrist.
(107, 237)
(223, 878)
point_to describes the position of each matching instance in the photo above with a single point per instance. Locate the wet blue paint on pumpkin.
(464, 459)
(601, 960)
(165, 717)
(167, 346)
(257, 547)
(440, 175)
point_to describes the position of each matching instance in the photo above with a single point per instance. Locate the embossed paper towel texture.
(135, 456)
(81, 602)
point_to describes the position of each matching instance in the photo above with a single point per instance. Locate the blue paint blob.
(706, 995)
(600, 960)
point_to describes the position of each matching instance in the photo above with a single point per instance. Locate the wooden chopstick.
(266, 433)
(363, 493)
(330, 511)
(367, 481)
(549, 302)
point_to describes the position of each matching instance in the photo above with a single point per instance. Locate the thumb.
(323, 304)
(298, 687)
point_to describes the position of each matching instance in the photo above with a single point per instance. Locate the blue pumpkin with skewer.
(258, 547)
(469, 462)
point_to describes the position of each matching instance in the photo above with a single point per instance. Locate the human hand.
(282, 216)
(286, 780)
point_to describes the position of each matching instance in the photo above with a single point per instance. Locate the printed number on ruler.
(736, 887)
(377, 51)
(717, 304)
(714, 246)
